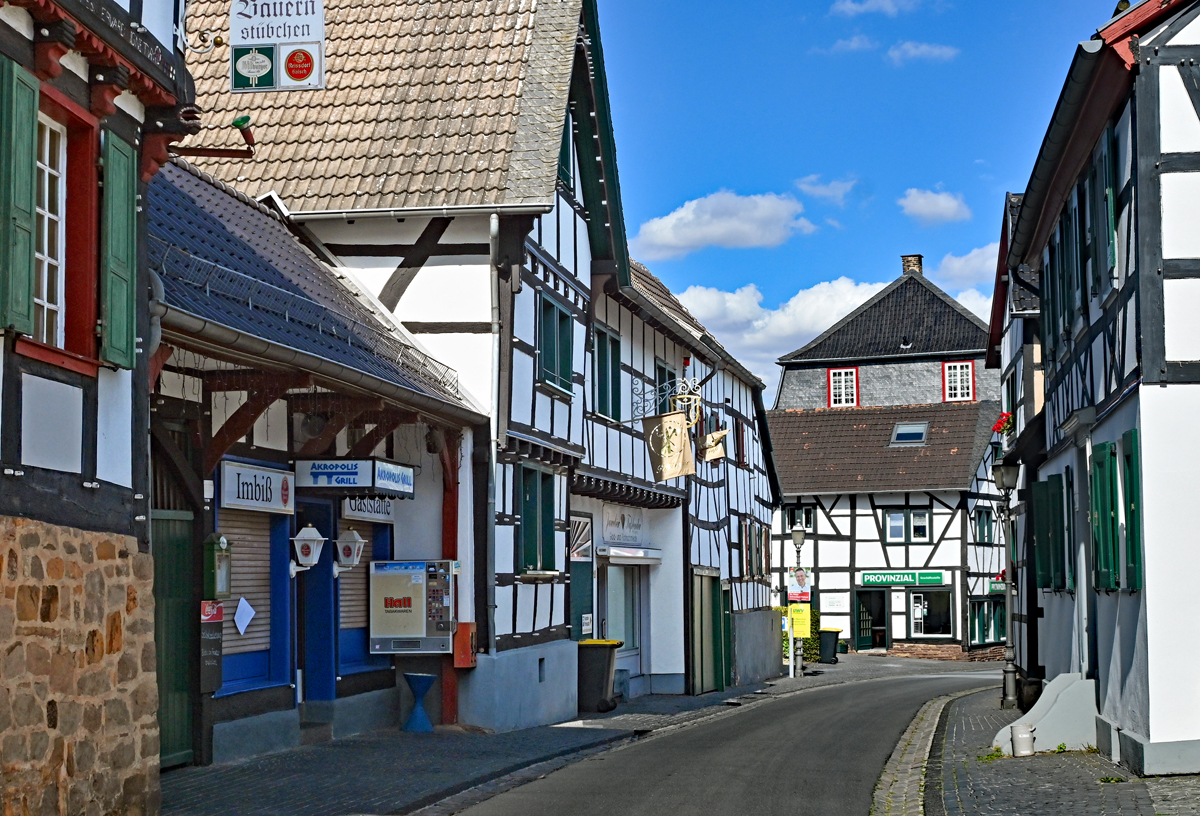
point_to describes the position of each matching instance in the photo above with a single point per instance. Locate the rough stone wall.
(930, 651)
(78, 688)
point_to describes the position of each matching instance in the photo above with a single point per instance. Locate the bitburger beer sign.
(277, 45)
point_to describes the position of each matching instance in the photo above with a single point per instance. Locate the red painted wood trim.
(57, 357)
(945, 394)
(1144, 16)
(82, 282)
(157, 362)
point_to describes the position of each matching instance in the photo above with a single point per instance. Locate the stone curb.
(900, 790)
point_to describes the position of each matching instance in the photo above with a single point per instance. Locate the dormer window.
(843, 387)
(958, 381)
(910, 433)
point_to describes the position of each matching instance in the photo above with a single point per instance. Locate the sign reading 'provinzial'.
(903, 578)
(277, 45)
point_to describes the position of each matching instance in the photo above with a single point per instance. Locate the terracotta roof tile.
(458, 83)
(848, 450)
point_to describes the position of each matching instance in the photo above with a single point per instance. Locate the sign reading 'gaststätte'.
(277, 45)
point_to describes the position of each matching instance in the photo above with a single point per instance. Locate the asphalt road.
(817, 753)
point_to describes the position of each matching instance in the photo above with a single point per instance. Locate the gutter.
(421, 212)
(1058, 136)
(190, 325)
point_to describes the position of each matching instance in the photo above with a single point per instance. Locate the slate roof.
(909, 311)
(428, 103)
(226, 258)
(848, 450)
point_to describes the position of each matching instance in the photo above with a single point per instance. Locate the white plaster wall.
(1170, 438)
(1181, 304)
(1177, 117)
(223, 405)
(19, 19)
(1180, 203)
(271, 429)
(114, 426)
(51, 424)
(1189, 36)
(470, 355)
(418, 525)
(666, 594)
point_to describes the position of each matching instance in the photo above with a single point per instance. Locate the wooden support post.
(349, 410)
(385, 423)
(448, 447)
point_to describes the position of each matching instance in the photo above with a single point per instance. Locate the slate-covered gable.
(849, 450)
(225, 258)
(910, 318)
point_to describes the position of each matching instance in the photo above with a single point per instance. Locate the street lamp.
(1006, 477)
(798, 543)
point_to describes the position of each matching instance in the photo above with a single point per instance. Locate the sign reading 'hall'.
(277, 45)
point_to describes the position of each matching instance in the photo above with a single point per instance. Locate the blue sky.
(777, 158)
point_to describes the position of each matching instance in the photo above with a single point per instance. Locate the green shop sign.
(996, 586)
(903, 578)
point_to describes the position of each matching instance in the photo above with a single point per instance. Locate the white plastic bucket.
(1022, 740)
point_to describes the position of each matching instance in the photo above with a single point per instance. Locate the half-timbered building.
(267, 372)
(882, 437)
(1108, 224)
(90, 92)
(483, 211)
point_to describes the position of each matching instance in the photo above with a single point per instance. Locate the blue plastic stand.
(420, 685)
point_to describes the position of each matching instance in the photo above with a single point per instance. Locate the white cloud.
(758, 336)
(978, 303)
(723, 219)
(928, 207)
(901, 53)
(859, 42)
(835, 191)
(976, 268)
(853, 8)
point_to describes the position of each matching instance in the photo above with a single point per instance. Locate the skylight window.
(910, 433)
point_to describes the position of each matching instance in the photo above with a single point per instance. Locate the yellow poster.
(801, 615)
(669, 445)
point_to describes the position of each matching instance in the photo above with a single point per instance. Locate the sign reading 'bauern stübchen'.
(277, 45)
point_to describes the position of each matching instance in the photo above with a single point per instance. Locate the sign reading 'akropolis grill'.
(278, 45)
(361, 475)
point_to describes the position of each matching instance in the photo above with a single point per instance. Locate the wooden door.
(707, 641)
(176, 622)
(862, 634)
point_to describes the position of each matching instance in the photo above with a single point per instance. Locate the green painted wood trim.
(118, 253)
(19, 91)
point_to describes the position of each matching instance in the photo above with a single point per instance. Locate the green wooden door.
(863, 634)
(176, 620)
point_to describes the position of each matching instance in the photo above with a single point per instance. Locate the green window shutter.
(118, 253)
(548, 561)
(18, 194)
(1058, 578)
(566, 331)
(1069, 555)
(603, 398)
(1134, 559)
(530, 518)
(614, 381)
(1103, 510)
(547, 328)
(1040, 498)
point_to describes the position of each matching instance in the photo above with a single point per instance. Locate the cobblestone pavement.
(964, 777)
(1175, 795)
(901, 786)
(397, 772)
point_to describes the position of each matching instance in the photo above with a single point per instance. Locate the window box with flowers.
(1005, 424)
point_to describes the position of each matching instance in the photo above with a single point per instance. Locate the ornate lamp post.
(797, 655)
(1006, 477)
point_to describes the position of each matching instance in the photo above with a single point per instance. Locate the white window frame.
(908, 428)
(912, 526)
(959, 367)
(887, 526)
(43, 258)
(837, 398)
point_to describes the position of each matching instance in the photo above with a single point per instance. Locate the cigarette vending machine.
(412, 607)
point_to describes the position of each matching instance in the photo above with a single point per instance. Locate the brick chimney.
(912, 264)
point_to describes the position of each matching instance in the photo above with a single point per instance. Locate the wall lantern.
(218, 568)
(1006, 476)
(349, 550)
(308, 543)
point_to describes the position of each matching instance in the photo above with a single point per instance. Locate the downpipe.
(494, 422)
